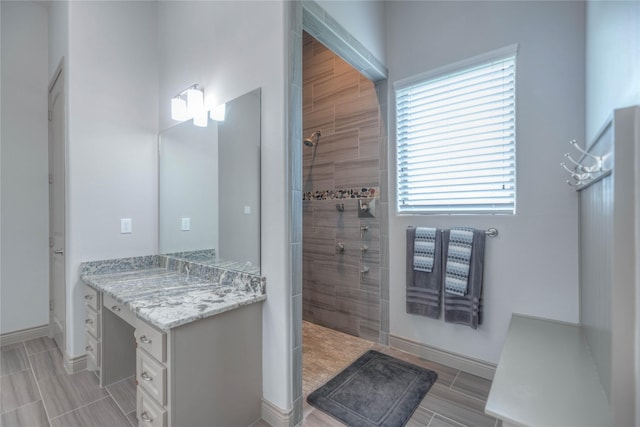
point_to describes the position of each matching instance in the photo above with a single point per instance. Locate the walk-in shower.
(313, 140)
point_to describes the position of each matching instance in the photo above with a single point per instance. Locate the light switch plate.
(185, 224)
(125, 226)
(247, 210)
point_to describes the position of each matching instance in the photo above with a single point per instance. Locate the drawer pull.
(115, 308)
(88, 297)
(144, 417)
(89, 348)
(146, 376)
(88, 321)
(145, 340)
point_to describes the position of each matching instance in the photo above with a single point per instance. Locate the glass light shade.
(195, 101)
(218, 113)
(201, 119)
(179, 109)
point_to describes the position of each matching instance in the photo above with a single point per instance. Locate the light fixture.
(218, 113)
(195, 100)
(201, 119)
(189, 104)
(179, 109)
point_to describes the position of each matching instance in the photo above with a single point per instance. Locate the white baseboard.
(473, 366)
(275, 416)
(75, 364)
(24, 335)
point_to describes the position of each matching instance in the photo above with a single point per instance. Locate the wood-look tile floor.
(457, 398)
(35, 391)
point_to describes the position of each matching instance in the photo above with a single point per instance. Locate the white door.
(57, 302)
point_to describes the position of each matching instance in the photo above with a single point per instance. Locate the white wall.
(613, 60)
(613, 81)
(532, 266)
(112, 133)
(24, 293)
(365, 20)
(58, 23)
(232, 48)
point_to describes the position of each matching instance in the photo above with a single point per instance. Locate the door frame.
(58, 77)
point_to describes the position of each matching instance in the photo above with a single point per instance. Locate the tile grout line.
(450, 419)
(37, 352)
(35, 378)
(454, 380)
(13, 373)
(80, 407)
(466, 395)
(116, 402)
(433, 415)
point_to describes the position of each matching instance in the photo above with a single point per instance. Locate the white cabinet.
(151, 375)
(152, 340)
(149, 413)
(206, 372)
(92, 328)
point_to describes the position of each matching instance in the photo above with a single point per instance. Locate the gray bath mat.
(375, 390)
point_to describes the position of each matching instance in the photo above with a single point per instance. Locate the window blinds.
(456, 141)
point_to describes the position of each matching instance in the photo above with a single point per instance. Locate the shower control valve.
(367, 208)
(339, 247)
(363, 228)
(364, 271)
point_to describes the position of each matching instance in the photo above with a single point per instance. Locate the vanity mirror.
(209, 188)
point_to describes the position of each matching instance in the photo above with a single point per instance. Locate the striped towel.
(424, 289)
(424, 247)
(458, 258)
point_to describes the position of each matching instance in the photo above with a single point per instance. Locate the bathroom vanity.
(190, 333)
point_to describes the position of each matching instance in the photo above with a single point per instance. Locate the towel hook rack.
(597, 167)
(580, 173)
(581, 150)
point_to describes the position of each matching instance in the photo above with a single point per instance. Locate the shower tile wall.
(343, 105)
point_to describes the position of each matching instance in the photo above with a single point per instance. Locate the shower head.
(313, 140)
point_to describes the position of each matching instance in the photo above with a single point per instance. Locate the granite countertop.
(170, 296)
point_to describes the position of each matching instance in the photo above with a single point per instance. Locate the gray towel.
(423, 288)
(467, 309)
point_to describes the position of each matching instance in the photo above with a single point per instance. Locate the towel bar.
(491, 232)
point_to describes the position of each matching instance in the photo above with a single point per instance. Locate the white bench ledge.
(546, 377)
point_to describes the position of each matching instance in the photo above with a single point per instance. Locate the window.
(456, 137)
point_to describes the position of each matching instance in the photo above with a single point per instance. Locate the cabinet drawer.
(152, 340)
(92, 322)
(91, 298)
(152, 376)
(119, 309)
(93, 350)
(149, 413)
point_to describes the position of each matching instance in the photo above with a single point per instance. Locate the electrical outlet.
(125, 226)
